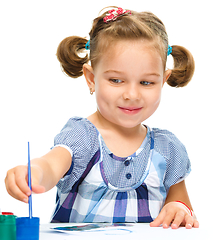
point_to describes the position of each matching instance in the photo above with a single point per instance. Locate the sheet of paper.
(124, 232)
(92, 227)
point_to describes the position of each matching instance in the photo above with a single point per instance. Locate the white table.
(134, 232)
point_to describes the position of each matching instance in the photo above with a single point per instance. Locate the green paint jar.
(7, 227)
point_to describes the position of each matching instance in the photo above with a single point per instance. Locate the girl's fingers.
(38, 189)
(20, 174)
(159, 219)
(179, 218)
(170, 214)
(168, 219)
(191, 222)
(196, 224)
(16, 183)
(14, 190)
(23, 185)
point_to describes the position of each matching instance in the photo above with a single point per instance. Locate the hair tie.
(87, 46)
(169, 50)
(113, 14)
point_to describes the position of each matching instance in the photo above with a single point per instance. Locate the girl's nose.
(131, 93)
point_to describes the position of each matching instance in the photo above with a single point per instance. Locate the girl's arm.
(175, 212)
(178, 192)
(46, 172)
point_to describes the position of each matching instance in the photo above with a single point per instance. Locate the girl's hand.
(176, 214)
(16, 182)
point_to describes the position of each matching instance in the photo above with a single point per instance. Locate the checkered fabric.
(101, 187)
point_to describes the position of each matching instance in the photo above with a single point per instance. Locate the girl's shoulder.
(79, 126)
(79, 135)
(164, 135)
(167, 144)
(78, 123)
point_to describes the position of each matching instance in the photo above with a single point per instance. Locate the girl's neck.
(104, 125)
(121, 141)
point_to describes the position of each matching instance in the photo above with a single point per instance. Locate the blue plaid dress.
(101, 187)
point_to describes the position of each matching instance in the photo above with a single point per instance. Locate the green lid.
(7, 227)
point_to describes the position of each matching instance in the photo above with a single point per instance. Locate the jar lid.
(7, 213)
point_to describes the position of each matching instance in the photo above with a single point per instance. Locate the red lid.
(7, 213)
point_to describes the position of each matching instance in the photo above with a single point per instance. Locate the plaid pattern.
(106, 188)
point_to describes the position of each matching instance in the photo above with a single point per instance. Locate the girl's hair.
(134, 26)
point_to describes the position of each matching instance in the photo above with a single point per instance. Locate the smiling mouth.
(130, 110)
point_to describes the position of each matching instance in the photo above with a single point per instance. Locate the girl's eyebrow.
(152, 74)
(112, 71)
(146, 74)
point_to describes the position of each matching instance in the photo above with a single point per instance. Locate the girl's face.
(127, 80)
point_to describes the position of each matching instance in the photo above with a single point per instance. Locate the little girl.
(110, 167)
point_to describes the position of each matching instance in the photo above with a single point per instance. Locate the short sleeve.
(79, 137)
(178, 165)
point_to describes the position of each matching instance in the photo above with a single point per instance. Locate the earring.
(91, 91)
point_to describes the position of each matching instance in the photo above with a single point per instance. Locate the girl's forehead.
(121, 54)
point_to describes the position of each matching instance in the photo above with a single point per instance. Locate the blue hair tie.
(169, 50)
(87, 46)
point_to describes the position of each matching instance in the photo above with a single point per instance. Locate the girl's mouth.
(130, 110)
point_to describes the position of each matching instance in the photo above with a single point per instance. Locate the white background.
(37, 99)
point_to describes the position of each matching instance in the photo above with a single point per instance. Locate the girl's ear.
(89, 76)
(167, 74)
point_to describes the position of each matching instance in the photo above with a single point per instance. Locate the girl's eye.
(145, 83)
(116, 80)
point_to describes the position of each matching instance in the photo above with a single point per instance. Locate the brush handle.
(29, 183)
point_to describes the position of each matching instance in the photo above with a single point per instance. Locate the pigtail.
(68, 55)
(184, 67)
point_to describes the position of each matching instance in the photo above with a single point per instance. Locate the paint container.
(27, 228)
(7, 227)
